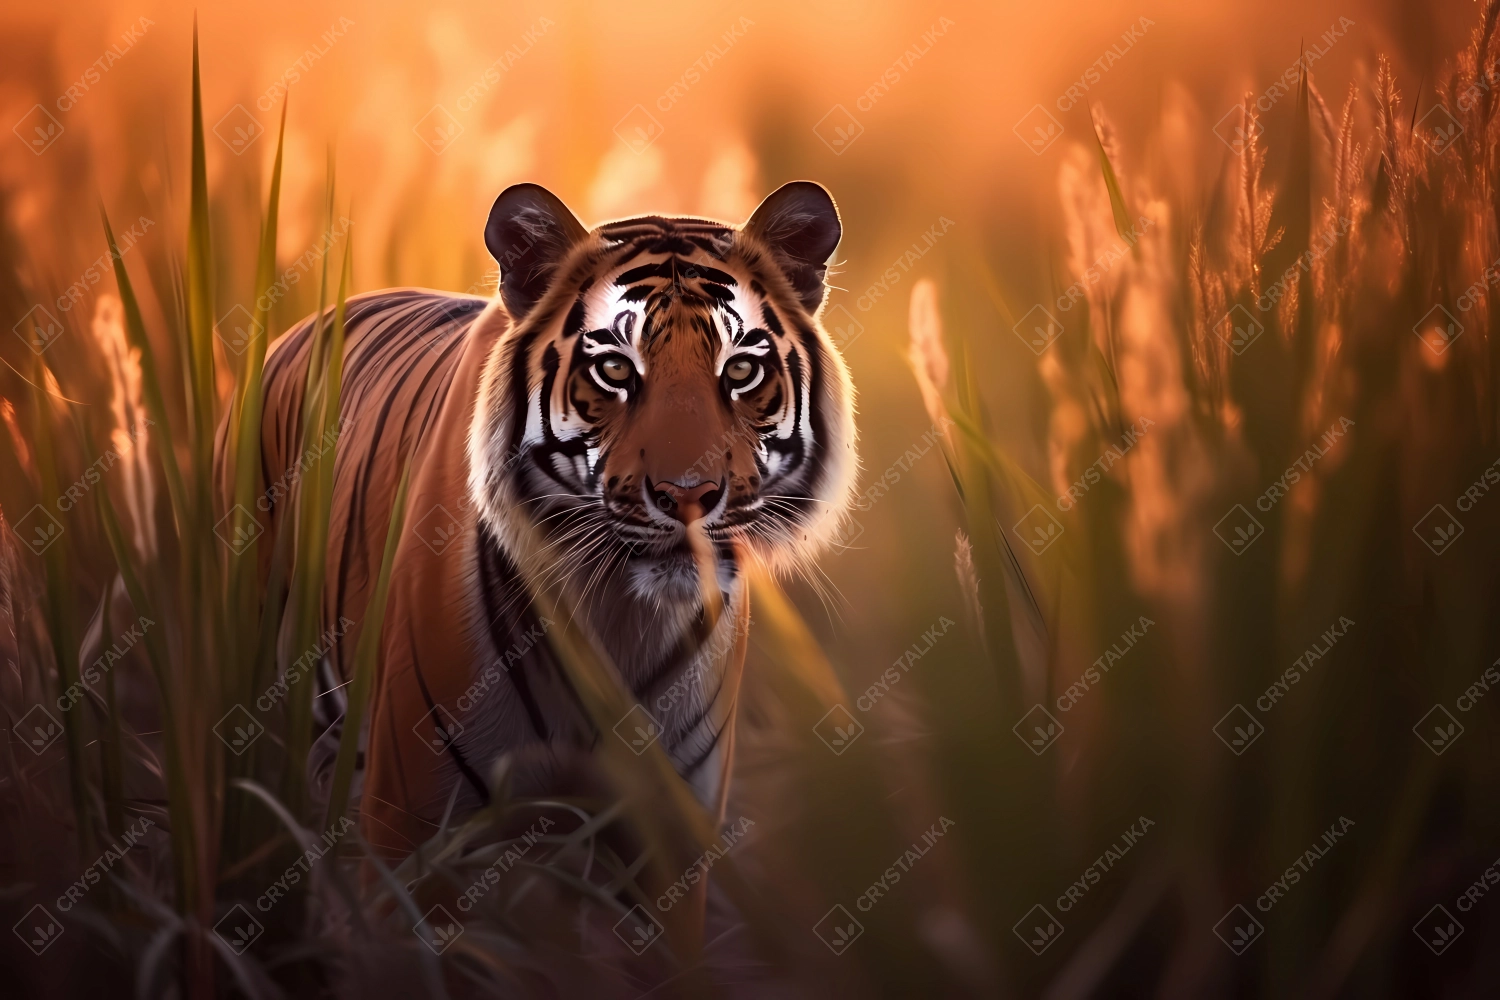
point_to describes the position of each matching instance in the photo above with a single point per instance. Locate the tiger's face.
(662, 375)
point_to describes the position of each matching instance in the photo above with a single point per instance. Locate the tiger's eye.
(740, 370)
(615, 369)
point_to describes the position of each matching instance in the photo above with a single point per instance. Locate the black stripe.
(683, 732)
(520, 399)
(773, 322)
(451, 742)
(492, 578)
(574, 322)
(817, 457)
(705, 754)
(681, 656)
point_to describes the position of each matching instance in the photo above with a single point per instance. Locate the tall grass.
(1326, 267)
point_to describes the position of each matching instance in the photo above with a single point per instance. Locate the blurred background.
(983, 156)
(535, 92)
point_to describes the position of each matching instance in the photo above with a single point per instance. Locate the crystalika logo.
(238, 729)
(237, 329)
(1438, 729)
(1438, 329)
(1038, 929)
(1239, 329)
(838, 729)
(239, 129)
(639, 729)
(1438, 929)
(238, 529)
(438, 729)
(38, 729)
(1238, 729)
(438, 929)
(38, 130)
(1439, 129)
(638, 929)
(238, 929)
(437, 529)
(1038, 129)
(39, 928)
(1438, 529)
(38, 329)
(1038, 729)
(1038, 329)
(1238, 529)
(438, 129)
(838, 129)
(1038, 529)
(842, 327)
(638, 129)
(1235, 131)
(38, 529)
(838, 929)
(1238, 929)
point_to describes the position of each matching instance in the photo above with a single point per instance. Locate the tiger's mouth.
(686, 505)
(630, 531)
(670, 575)
(654, 548)
(672, 541)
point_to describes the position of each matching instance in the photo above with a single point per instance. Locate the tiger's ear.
(528, 233)
(799, 223)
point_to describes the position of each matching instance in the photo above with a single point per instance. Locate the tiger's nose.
(684, 503)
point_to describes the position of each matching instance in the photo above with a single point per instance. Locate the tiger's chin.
(672, 579)
(640, 598)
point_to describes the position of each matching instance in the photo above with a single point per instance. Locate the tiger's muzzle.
(686, 504)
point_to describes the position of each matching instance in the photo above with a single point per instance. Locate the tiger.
(627, 385)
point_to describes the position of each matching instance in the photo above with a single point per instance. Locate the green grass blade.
(179, 797)
(312, 544)
(334, 370)
(245, 564)
(1123, 224)
(199, 291)
(248, 401)
(318, 353)
(365, 655)
(111, 768)
(135, 331)
(60, 616)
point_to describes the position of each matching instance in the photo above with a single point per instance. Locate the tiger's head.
(662, 372)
